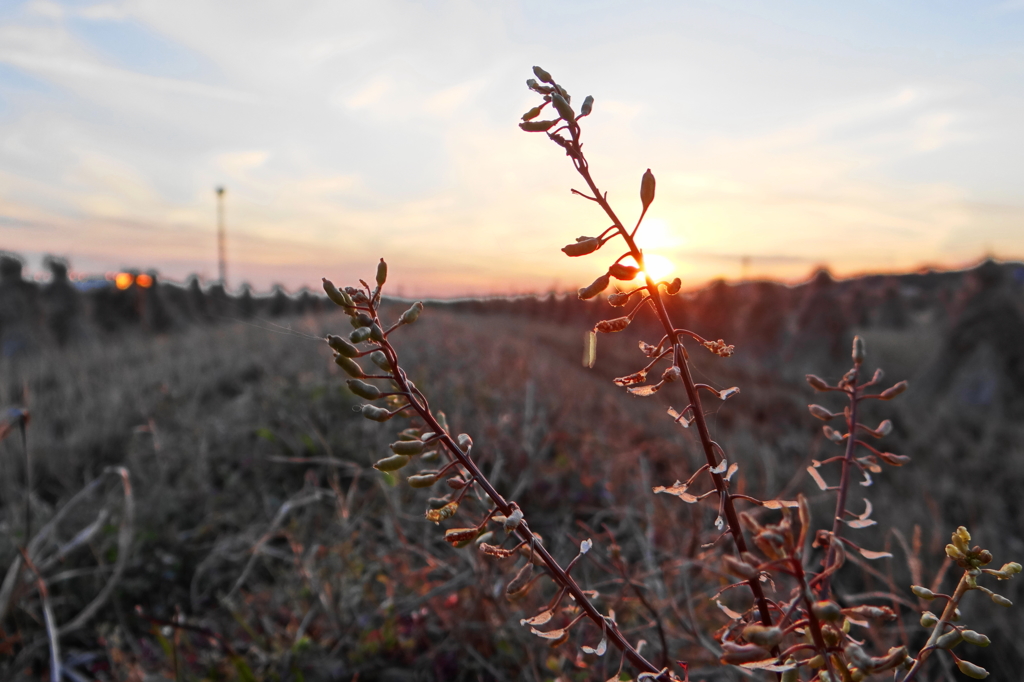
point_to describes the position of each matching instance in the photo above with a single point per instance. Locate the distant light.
(144, 281)
(123, 280)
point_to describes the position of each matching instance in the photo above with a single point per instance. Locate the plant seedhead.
(392, 463)
(363, 389)
(412, 314)
(893, 391)
(382, 273)
(582, 247)
(350, 366)
(407, 447)
(858, 350)
(975, 672)
(595, 287)
(647, 189)
(422, 481)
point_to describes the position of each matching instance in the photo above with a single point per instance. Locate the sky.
(870, 136)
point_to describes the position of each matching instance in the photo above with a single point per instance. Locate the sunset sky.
(868, 136)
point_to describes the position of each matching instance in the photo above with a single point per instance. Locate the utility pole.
(221, 264)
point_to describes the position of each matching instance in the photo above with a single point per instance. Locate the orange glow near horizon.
(144, 281)
(123, 280)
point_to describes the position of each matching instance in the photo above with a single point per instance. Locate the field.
(264, 544)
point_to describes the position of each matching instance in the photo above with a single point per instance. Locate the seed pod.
(340, 345)
(376, 333)
(1000, 599)
(1011, 568)
(975, 672)
(582, 247)
(377, 414)
(350, 366)
(673, 288)
(430, 457)
(623, 272)
(610, 326)
(737, 654)
(827, 610)
(422, 480)
(894, 460)
(619, 298)
(532, 114)
(407, 447)
(865, 612)
(858, 350)
(896, 656)
(382, 273)
(445, 512)
(922, 592)
(595, 287)
(520, 583)
(363, 389)
(537, 126)
(817, 383)
(766, 637)
(543, 75)
(492, 550)
(884, 429)
(738, 568)
(893, 391)
(456, 483)
(588, 106)
(359, 335)
(412, 314)
(392, 463)
(949, 640)
(457, 535)
(513, 520)
(563, 108)
(361, 319)
(337, 296)
(378, 358)
(647, 189)
(821, 413)
(975, 638)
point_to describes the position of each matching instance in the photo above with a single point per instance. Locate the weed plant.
(783, 616)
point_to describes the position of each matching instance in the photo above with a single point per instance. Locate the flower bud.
(337, 296)
(537, 126)
(949, 640)
(376, 333)
(975, 638)
(456, 483)
(377, 414)
(623, 272)
(928, 619)
(588, 106)
(392, 463)
(363, 389)
(827, 610)
(922, 592)
(821, 413)
(766, 637)
(340, 345)
(563, 108)
(884, 429)
(378, 358)
(422, 480)
(1000, 599)
(817, 383)
(582, 247)
(647, 189)
(359, 335)
(412, 314)
(954, 553)
(893, 391)
(350, 366)
(975, 672)
(858, 350)
(361, 319)
(543, 75)
(674, 286)
(407, 447)
(382, 273)
(532, 114)
(595, 288)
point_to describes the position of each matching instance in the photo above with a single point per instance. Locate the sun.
(656, 265)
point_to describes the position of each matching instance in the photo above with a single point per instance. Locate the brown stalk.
(844, 482)
(947, 613)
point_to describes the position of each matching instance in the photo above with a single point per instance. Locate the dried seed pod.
(513, 520)
(563, 108)
(456, 483)
(458, 535)
(412, 314)
(623, 272)
(537, 126)
(378, 358)
(492, 550)
(382, 273)
(949, 640)
(610, 326)
(359, 335)
(595, 287)
(619, 298)
(445, 512)
(341, 346)
(338, 297)
(422, 480)
(588, 105)
(350, 366)
(582, 247)
(543, 75)
(893, 391)
(377, 414)
(858, 350)
(827, 610)
(392, 463)
(975, 672)
(975, 638)
(518, 586)
(647, 189)
(363, 389)
(766, 637)
(821, 413)
(407, 447)
(817, 383)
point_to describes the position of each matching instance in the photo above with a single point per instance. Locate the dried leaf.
(550, 634)
(779, 504)
(680, 418)
(599, 650)
(540, 619)
(492, 550)
(586, 545)
(871, 556)
(817, 477)
(894, 460)
(733, 468)
(729, 612)
(720, 467)
(589, 349)
(631, 379)
(729, 392)
(768, 664)
(679, 490)
(861, 523)
(644, 391)
(868, 481)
